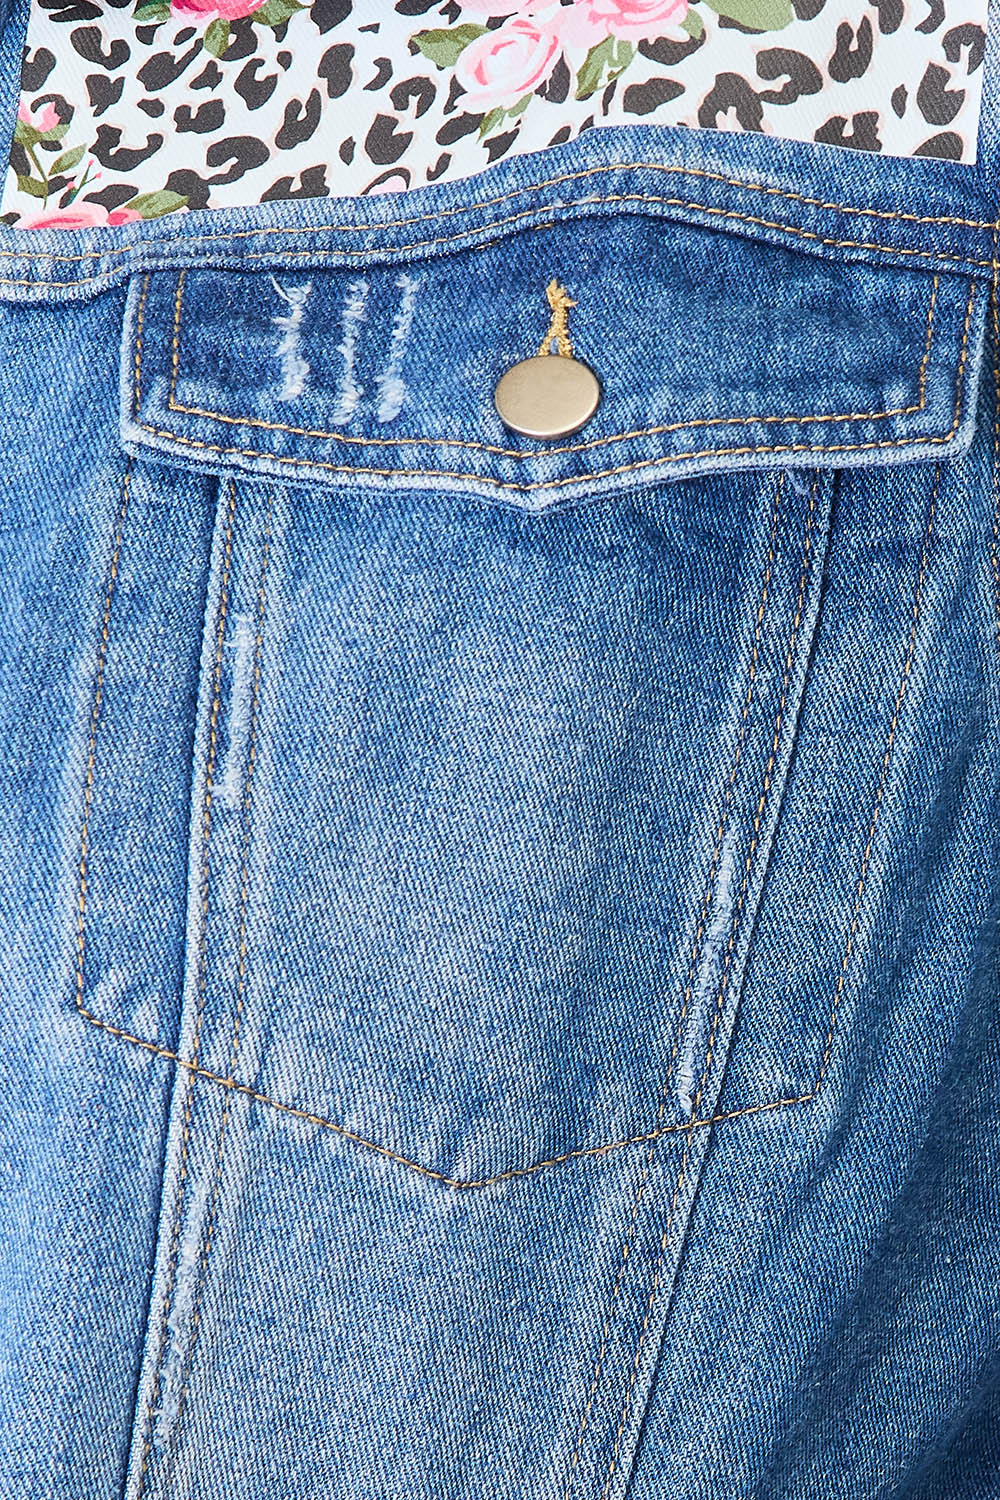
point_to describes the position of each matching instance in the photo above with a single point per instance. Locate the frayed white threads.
(350, 391)
(179, 1323)
(231, 780)
(391, 385)
(701, 1017)
(294, 368)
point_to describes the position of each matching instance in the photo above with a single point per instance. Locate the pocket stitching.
(619, 437)
(197, 1070)
(528, 487)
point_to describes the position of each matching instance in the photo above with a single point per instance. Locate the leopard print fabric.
(137, 108)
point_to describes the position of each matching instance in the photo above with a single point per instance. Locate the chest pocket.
(499, 730)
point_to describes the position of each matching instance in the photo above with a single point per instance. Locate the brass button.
(547, 396)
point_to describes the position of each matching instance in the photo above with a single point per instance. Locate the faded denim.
(499, 939)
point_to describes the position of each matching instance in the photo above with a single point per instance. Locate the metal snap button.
(549, 395)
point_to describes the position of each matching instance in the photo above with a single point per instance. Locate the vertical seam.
(724, 980)
(175, 340)
(246, 815)
(201, 985)
(95, 715)
(848, 948)
(695, 953)
(882, 783)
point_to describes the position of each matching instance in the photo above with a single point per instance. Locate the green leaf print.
(67, 160)
(155, 205)
(760, 15)
(496, 116)
(216, 38)
(276, 12)
(32, 187)
(443, 47)
(612, 54)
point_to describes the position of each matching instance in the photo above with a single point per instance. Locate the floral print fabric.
(133, 110)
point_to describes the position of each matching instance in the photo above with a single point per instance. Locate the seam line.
(711, 886)
(845, 962)
(995, 539)
(155, 1385)
(734, 931)
(242, 947)
(664, 427)
(591, 200)
(890, 215)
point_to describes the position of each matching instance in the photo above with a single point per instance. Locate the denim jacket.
(498, 936)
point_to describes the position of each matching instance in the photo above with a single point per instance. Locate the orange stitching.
(242, 949)
(175, 342)
(891, 215)
(201, 983)
(385, 1151)
(452, 1182)
(599, 473)
(726, 968)
(695, 950)
(907, 668)
(339, 437)
(137, 360)
(315, 255)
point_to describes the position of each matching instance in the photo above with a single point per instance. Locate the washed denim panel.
(836, 1304)
(499, 998)
(83, 1130)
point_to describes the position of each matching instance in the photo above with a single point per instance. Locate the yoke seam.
(602, 168)
(139, 247)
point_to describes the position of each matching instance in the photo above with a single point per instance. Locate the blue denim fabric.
(499, 939)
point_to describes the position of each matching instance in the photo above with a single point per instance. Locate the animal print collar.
(137, 108)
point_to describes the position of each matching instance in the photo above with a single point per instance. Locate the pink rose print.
(43, 119)
(228, 10)
(501, 66)
(85, 216)
(591, 21)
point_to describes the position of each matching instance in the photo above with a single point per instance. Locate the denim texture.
(499, 939)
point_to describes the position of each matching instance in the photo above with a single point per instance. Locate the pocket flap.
(713, 351)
